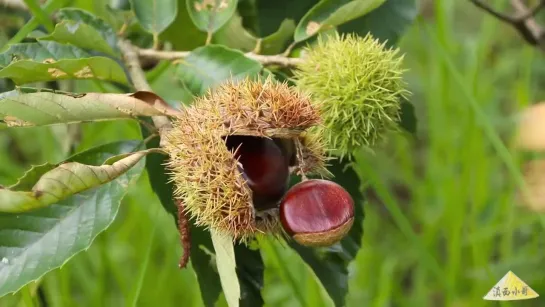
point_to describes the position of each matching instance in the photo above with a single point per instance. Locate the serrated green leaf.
(226, 264)
(163, 79)
(234, 35)
(210, 15)
(155, 15)
(103, 28)
(208, 66)
(47, 61)
(34, 243)
(64, 181)
(331, 264)
(18, 108)
(119, 17)
(387, 23)
(40, 52)
(82, 29)
(331, 13)
(79, 34)
(191, 38)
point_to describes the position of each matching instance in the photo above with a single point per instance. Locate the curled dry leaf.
(65, 180)
(534, 177)
(531, 128)
(155, 101)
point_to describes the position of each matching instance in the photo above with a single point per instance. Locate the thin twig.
(139, 79)
(530, 22)
(140, 83)
(524, 15)
(523, 20)
(263, 59)
(487, 8)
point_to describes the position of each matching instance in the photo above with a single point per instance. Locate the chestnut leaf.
(155, 15)
(387, 23)
(210, 15)
(208, 66)
(55, 184)
(331, 13)
(42, 107)
(269, 15)
(48, 61)
(36, 242)
(234, 35)
(192, 37)
(84, 30)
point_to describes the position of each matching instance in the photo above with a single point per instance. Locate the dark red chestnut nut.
(288, 148)
(264, 167)
(317, 212)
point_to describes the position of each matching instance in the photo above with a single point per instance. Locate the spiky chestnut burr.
(207, 173)
(317, 212)
(357, 83)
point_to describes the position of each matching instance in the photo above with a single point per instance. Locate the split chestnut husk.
(231, 154)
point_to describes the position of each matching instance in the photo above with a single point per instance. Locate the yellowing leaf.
(65, 180)
(48, 60)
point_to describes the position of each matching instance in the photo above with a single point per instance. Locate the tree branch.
(138, 79)
(263, 59)
(522, 20)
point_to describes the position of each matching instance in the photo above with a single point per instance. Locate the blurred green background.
(451, 186)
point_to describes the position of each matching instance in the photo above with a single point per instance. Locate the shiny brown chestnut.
(317, 212)
(264, 167)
